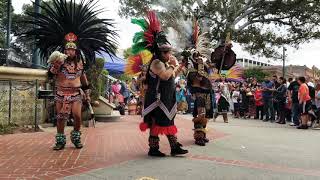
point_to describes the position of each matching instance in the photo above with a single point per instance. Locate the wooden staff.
(224, 51)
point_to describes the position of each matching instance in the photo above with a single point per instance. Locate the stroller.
(314, 114)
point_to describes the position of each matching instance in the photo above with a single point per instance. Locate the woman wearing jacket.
(281, 94)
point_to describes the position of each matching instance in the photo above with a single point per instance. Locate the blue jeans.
(189, 101)
(295, 113)
(269, 109)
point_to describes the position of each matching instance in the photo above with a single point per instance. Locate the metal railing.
(19, 103)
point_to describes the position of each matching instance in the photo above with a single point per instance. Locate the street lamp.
(8, 23)
(284, 62)
(35, 56)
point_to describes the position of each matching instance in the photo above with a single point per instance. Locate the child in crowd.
(259, 103)
(181, 99)
(236, 101)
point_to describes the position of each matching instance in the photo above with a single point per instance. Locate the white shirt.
(235, 96)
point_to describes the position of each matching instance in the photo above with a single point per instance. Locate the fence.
(19, 104)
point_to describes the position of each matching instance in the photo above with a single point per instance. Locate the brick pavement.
(30, 156)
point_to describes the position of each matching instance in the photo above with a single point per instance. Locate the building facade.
(248, 63)
(294, 71)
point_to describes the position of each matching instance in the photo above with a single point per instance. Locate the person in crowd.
(133, 86)
(317, 96)
(293, 90)
(115, 88)
(190, 101)
(276, 84)
(125, 91)
(289, 81)
(181, 99)
(259, 102)
(244, 105)
(304, 103)
(224, 100)
(312, 92)
(268, 88)
(251, 102)
(254, 84)
(281, 99)
(288, 106)
(317, 104)
(236, 101)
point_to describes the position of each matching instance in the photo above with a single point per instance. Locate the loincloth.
(67, 96)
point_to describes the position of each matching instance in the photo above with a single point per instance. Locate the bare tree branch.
(246, 11)
(280, 20)
(200, 3)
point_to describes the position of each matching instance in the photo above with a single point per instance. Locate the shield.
(223, 57)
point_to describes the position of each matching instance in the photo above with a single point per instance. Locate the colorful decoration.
(135, 63)
(145, 43)
(235, 73)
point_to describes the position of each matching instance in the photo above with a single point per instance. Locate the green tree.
(255, 73)
(3, 22)
(261, 26)
(94, 75)
(19, 26)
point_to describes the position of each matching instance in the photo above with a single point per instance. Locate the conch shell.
(57, 56)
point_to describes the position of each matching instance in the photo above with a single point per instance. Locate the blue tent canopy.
(113, 64)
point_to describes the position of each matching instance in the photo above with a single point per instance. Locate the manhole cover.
(146, 178)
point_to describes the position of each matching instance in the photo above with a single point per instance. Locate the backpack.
(312, 92)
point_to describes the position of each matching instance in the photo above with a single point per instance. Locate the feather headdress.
(146, 43)
(74, 25)
(198, 42)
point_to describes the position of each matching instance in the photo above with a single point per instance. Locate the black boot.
(178, 151)
(60, 142)
(154, 147)
(155, 152)
(302, 127)
(175, 146)
(76, 139)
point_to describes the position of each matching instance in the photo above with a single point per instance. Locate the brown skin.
(163, 72)
(76, 106)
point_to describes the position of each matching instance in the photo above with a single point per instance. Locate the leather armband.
(86, 87)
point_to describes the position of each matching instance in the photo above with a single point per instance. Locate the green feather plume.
(141, 22)
(138, 37)
(137, 47)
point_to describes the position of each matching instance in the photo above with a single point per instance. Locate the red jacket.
(258, 97)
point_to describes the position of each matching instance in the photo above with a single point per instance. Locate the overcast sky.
(308, 54)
